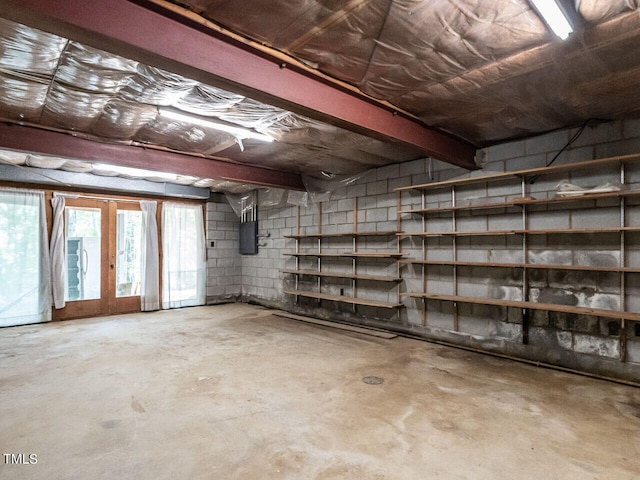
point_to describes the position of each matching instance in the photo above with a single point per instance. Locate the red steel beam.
(46, 142)
(151, 34)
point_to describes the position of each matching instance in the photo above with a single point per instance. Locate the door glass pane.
(129, 253)
(83, 227)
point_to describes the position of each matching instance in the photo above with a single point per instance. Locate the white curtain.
(25, 271)
(57, 252)
(184, 265)
(150, 289)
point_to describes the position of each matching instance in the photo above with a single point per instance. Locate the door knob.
(112, 266)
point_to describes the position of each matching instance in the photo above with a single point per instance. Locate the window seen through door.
(129, 252)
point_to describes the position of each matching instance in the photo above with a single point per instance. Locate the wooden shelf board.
(375, 278)
(537, 266)
(519, 202)
(575, 198)
(343, 299)
(346, 255)
(480, 206)
(529, 305)
(385, 233)
(459, 233)
(523, 173)
(519, 232)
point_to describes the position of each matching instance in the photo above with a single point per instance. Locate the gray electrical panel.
(249, 225)
(249, 238)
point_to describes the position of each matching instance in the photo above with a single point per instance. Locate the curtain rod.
(95, 197)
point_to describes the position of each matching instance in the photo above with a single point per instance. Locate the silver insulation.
(50, 81)
(485, 70)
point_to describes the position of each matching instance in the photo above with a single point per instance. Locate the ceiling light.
(238, 132)
(554, 16)
(135, 172)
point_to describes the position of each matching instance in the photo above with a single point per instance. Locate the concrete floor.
(232, 392)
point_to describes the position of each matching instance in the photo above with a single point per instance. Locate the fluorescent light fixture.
(135, 172)
(554, 16)
(238, 132)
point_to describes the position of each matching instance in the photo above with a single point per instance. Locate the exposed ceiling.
(342, 86)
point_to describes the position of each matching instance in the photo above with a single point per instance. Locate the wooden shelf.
(357, 252)
(536, 266)
(523, 173)
(519, 232)
(529, 305)
(575, 198)
(385, 233)
(343, 299)
(519, 202)
(346, 255)
(511, 201)
(480, 206)
(315, 273)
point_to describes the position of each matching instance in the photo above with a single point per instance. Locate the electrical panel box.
(249, 238)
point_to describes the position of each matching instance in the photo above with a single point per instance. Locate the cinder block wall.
(579, 342)
(261, 278)
(224, 263)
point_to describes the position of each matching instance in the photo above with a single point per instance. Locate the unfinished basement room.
(319, 239)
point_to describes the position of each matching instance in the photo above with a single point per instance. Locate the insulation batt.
(49, 80)
(487, 70)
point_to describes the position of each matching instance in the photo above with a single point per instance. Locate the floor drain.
(373, 380)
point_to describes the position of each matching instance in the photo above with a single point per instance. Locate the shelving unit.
(523, 265)
(357, 256)
(526, 202)
(373, 278)
(347, 255)
(522, 231)
(523, 174)
(521, 207)
(343, 299)
(597, 312)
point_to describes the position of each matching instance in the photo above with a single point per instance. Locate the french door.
(103, 259)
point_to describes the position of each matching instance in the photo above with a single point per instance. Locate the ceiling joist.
(146, 32)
